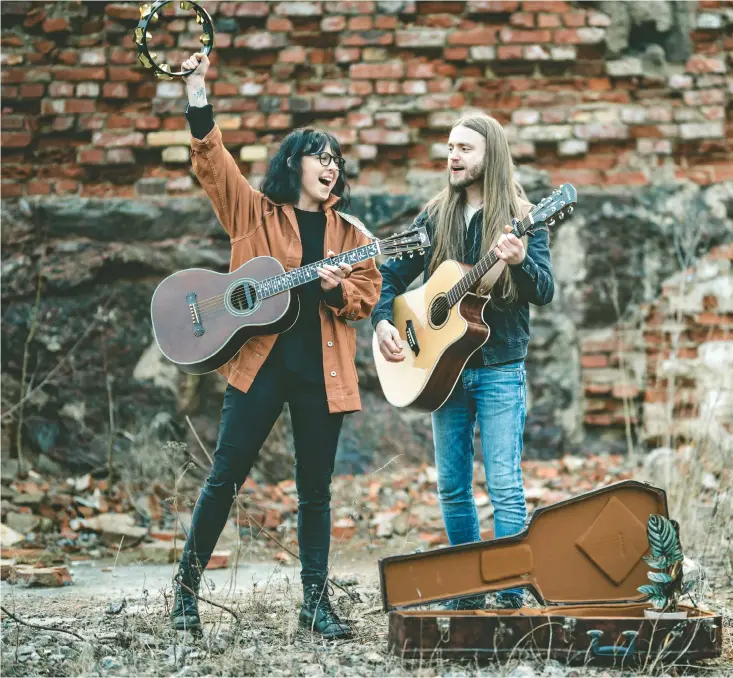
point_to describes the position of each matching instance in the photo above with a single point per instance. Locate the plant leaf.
(688, 586)
(659, 577)
(660, 602)
(658, 562)
(650, 590)
(662, 536)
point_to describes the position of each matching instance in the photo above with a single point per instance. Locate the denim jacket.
(509, 323)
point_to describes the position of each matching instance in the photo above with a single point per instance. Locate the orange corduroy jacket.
(259, 227)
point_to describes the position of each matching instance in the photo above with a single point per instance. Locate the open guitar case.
(582, 560)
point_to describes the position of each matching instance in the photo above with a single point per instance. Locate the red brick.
(360, 87)
(11, 189)
(276, 24)
(347, 55)
(597, 389)
(65, 186)
(225, 89)
(700, 175)
(509, 52)
(115, 90)
(377, 38)
(385, 22)
(540, 6)
(16, 139)
(594, 360)
(292, 55)
(394, 69)
(360, 23)
(79, 74)
(120, 73)
(567, 36)
(598, 419)
(279, 121)
(548, 20)
(119, 122)
(34, 16)
(698, 63)
(238, 137)
(455, 53)
(122, 10)
(626, 179)
(475, 36)
(121, 56)
(70, 57)
(244, 8)
(118, 140)
(9, 91)
(81, 106)
(387, 87)
(32, 91)
(574, 19)
(56, 25)
(38, 188)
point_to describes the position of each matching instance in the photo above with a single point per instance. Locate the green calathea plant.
(668, 586)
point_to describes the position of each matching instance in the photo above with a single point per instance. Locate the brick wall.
(80, 116)
(673, 369)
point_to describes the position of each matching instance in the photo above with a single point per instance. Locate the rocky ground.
(98, 561)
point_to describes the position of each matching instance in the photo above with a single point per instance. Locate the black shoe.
(464, 604)
(317, 615)
(509, 601)
(185, 614)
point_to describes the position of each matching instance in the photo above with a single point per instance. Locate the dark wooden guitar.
(202, 318)
(441, 322)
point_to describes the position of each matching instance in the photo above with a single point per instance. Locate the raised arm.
(236, 204)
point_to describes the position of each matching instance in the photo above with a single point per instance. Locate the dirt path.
(266, 640)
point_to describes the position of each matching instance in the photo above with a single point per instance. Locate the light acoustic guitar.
(202, 318)
(441, 322)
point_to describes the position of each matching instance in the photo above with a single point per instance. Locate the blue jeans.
(496, 398)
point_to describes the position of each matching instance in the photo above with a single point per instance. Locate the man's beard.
(472, 176)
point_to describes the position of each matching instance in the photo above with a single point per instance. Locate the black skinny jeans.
(246, 421)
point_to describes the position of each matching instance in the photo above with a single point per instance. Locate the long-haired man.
(465, 221)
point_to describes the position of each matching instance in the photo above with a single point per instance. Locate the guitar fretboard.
(269, 287)
(472, 278)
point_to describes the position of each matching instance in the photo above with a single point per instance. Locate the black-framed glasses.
(325, 157)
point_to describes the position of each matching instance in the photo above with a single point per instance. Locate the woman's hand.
(331, 276)
(199, 63)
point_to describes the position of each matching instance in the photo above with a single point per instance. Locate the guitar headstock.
(559, 203)
(408, 242)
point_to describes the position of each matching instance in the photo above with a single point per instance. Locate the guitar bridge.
(412, 337)
(193, 307)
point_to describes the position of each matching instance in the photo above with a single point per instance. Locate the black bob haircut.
(281, 183)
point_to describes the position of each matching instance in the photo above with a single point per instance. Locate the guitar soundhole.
(439, 311)
(243, 297)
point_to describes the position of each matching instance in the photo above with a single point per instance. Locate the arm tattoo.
(200, 93)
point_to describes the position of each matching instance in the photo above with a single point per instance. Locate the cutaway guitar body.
(436, 343)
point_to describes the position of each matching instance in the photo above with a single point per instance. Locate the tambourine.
(149, 13)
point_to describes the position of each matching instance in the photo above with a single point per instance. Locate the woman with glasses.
(311, 366)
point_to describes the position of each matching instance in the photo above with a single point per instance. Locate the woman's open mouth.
(326, 181)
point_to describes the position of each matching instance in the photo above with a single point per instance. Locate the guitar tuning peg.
(412, 254)
(561, 216)
(570, 209)
(551, 222)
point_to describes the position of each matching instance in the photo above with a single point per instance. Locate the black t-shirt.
(300, 347)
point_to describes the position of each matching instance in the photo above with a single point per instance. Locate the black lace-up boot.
(185, 613)
(317, 615)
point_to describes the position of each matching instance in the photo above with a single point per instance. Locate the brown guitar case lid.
(587, 549)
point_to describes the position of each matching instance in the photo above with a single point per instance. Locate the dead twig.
(210, 602)
(58, 364)
(38, 626)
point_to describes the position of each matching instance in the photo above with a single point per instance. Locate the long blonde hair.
(502, 201)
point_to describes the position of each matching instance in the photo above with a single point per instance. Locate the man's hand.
(331, 276)
(510, 248)
(199, 63)
(390, 343)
